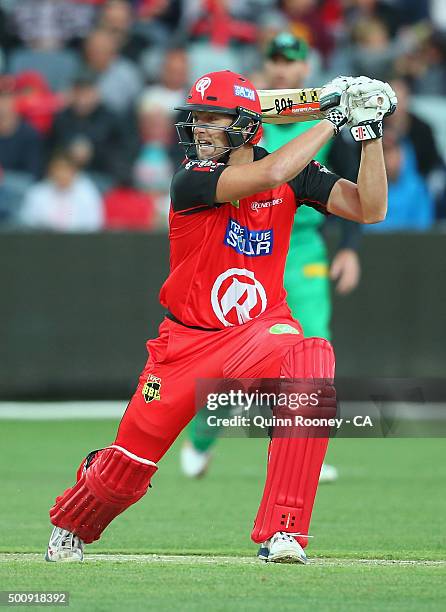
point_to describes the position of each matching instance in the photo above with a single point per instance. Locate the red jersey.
(227, 260)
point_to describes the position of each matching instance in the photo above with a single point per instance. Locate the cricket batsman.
(226, 311)
(307, 268)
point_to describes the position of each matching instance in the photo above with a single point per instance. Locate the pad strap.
(108, 482)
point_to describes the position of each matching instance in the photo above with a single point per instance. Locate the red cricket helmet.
(229, 93)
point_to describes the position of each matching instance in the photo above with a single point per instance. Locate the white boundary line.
(216, 560)
(63, 411)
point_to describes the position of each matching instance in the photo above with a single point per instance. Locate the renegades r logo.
(151, 389)
(202, 85)
(237, 297)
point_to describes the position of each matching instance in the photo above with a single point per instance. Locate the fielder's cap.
(288, 46)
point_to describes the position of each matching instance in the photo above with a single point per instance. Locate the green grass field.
(379, 531)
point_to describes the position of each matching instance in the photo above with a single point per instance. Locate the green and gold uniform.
(306, 272)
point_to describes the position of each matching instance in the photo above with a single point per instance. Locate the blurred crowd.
(88, 90)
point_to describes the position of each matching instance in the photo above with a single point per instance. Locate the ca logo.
(237, 297)
(202, 85)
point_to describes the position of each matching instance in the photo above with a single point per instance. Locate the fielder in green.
(307, 272)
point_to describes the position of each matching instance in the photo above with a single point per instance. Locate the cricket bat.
(290, 105)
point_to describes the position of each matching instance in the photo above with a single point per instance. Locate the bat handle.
(330, 101)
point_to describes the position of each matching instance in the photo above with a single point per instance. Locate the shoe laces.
(68, 540)
(289, 536)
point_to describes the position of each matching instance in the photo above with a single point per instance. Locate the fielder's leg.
(294, 463)
(196, 454)
(308, 293)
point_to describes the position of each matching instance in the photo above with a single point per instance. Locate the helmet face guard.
(242, 130)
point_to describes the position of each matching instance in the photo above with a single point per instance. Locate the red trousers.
(164, 401)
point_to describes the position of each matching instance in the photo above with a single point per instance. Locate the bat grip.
(330, 101)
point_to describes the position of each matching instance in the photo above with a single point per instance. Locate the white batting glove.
(370, 101)
(333, 99)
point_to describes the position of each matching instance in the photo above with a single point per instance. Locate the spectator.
(21, 148)
(55, 22)
(21, 153)
(271, 23)
(418, 132)
(153, 168)
(410, 204)
(155, 120)
(119, 80)
(173, 81)
(218, 24)
(126, 208)
(306, 21)
(58, 66)
(88, 130)
(8, 38)
(389, 13)
(116, 17)
(430, 67)
(45, 26)
(370, 50)
(332, 13)
(411, 11)
(220, 40)
(158, 22)
(35, 102)
(66, 201)
(159, 19)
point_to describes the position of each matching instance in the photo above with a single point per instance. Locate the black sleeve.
(350, 234)
(344, 156)
(194, 185)
(313, 186)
